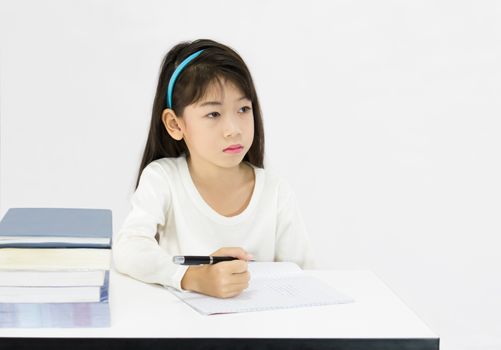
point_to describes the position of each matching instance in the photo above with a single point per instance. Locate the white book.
(273, 285)
(50, 294)
(28, 278)
(55, 259)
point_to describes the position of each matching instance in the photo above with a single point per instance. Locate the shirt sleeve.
(136, 251)
(292, 241)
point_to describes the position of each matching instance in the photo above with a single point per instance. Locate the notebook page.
(267, 270)
(272, 288)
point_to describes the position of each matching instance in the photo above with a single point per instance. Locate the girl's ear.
(173, 124)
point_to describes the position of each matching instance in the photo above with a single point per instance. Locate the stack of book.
(54, 267)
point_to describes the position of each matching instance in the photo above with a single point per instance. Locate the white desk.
(149, 316)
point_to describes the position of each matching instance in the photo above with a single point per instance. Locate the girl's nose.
(231, 126)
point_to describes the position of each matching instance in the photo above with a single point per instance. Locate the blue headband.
(176, 73)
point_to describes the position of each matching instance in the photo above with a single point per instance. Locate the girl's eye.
(213, 115)
(245, 109)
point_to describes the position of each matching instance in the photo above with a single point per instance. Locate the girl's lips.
(233, 149)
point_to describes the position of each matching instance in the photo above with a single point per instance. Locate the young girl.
(202, 188)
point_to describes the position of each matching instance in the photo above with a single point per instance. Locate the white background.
(384, 116)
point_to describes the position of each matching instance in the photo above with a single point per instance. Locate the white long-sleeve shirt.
(167, 202)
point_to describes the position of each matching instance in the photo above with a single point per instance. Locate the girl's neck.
(218, 178)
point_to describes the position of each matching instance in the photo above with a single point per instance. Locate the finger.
(230, 294)
(237, 266)
(240, 278)
(230, 267)
(235, 289)
(235, 252)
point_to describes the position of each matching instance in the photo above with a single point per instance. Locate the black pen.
(200, 260)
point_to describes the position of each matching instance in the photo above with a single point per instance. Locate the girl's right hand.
(222, 280)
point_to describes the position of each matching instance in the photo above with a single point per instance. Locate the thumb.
(235, 252)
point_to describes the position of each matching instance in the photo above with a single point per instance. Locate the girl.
(202, 188)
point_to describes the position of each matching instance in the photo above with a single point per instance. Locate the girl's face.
(219, 129)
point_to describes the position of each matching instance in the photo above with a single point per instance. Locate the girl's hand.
(222, 280)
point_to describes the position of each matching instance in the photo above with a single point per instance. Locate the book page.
(55, 259)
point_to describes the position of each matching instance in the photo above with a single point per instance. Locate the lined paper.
(273, 285)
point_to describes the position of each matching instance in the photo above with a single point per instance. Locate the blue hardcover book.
(59, 315)
(56, 228)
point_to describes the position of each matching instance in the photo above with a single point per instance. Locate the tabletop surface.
(140, 310)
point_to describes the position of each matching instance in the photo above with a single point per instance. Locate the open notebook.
(273, 285)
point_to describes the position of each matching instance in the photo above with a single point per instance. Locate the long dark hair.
(216, 61)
